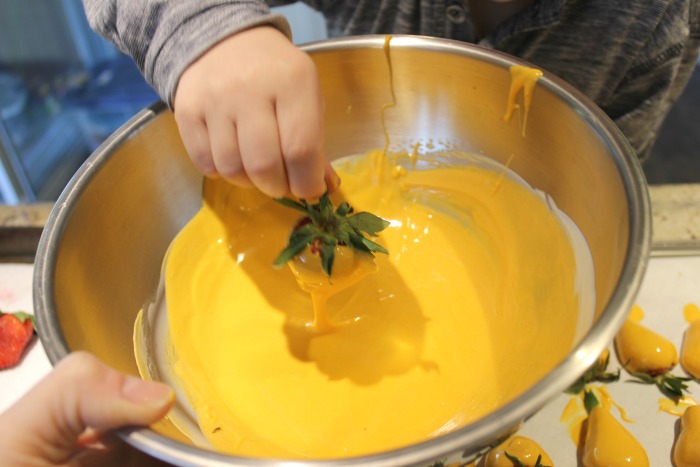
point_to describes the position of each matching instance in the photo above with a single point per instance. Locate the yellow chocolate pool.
(478, 298)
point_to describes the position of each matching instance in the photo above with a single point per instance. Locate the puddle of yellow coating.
(690, 349)
(691, 313)
(636, 314)
(523, 79)
(417, 356)
(676, 407)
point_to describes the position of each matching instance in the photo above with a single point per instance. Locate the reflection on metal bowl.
(100, 255)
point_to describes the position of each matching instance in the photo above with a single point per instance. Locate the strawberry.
(323, 229)
(16, 330)
(649, 357)
(606, 441)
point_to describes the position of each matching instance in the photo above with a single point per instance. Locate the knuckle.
(299, 153)
(231, 170)
(262, 168)
(203, 161)
(309, 191)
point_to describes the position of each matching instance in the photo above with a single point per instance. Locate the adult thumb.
(80, 394)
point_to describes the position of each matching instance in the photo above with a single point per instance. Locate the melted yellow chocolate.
(523, 79)
(476, 301)
(676, 406)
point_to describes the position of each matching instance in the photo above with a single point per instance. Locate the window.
(63, 90)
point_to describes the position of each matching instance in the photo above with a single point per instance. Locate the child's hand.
(68, 417)
(251, 111)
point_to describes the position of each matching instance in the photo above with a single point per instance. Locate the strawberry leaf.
(344, 209)
(325, 207)
(328, 256)
(590, 401)
(290, 203)
(596, 372)
(367, 222)
(671, 386)
(22, 317)
(516, 462)
(374, 247)
(299, 240)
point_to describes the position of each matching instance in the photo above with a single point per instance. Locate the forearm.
(165, 37)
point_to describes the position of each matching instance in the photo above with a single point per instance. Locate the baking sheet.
(669, 284)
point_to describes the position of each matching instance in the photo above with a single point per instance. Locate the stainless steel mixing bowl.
(100, 255)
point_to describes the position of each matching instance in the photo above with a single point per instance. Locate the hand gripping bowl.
(100, 256)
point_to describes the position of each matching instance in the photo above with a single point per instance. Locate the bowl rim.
(471, 438)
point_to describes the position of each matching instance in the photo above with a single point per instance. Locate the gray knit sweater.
(631, 57)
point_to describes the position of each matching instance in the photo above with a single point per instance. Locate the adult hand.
(251, 110)
(66, 419)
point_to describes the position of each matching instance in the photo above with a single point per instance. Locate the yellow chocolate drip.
(522, 79)
(387, 53)
(307, 270)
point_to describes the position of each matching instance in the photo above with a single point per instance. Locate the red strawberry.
(16, 329)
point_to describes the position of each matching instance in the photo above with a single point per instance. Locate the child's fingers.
(260, 150)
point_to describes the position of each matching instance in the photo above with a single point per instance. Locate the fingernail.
(146, 392)
(333, 181)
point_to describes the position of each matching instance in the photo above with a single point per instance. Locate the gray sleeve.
(164, 37)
